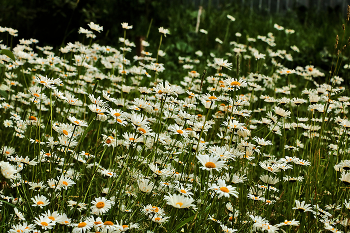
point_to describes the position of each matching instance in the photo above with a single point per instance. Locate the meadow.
(231, 138)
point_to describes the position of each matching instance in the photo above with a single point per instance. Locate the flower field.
(100, 139)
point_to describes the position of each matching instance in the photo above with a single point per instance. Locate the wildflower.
(203, 31)
(145, 185)
(7, 170)
(54, 216)
(40, 201)
(65, 182)
(126, 26)
(301, 206)
(235, 84)
(220, 62)
(211, 162)
(281, 112)
(184, 191)
(77, 122)
(269, 179)
(278, 27)
(179, 201)
(44, 222)
(95, 27)
(82, 226)
(164, 31)
(345, 178)
(36, 186)
(224, 190)
(159, 219)
(230, 17)
(101, 205)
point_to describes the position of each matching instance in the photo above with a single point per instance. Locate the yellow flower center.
(125, 226)
(108, 223)
(52, 218)
(100, 205)
(210, 165)
(40, 203)
(142, 130)
(183, 191)
(65, 132)
(235, 83)
(180, 131)
(157, 219)
(65, 183)
(224, 189)
(82, 224)
(44, 224)
(179, 203)
(212, 98)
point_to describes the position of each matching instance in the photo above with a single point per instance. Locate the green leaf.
(4, 94)
(8, 53)
(181, 224)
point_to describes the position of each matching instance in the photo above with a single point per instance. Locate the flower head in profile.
(126, 26)
(95, 27)
(164, 31)
(77, 122)
(230, 17)
(220, 62)
(179, 201)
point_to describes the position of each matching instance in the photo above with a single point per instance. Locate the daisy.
(164, 31)
(101, 205)
(345, 178)
(178, 130)
(95, 27)
(281, 112)
(220, 62)
(343, 165)
(36, 186)
(77, 122)
(211, 162)
(24, 227)
(224, 190)
(54, 216)
(269, 179)
(20, 215)
(301, 206)
(82, 226)
(65, 182)
(109, 141)
(40, 201)
(235, 84)
(184, 191)
(145, 185)
(159, 219)
(289, 223)
(44, 222)
(126, 26)
(179, 201)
